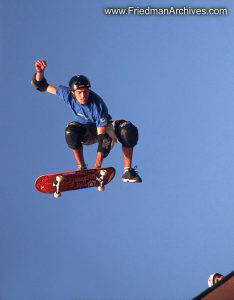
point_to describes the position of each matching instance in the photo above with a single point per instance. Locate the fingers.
(40, 65)
(97, 166)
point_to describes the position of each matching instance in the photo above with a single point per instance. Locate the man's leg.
(74, 133)
(127, 152)
(127, 134)
(79, 157)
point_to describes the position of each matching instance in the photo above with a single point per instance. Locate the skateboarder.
(92, 124)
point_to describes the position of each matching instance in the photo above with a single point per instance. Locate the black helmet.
(79, 81)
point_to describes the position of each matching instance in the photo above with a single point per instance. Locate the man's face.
(82, 95)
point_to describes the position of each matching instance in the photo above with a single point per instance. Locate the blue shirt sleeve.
(64, 93)
(102, 117)
(100, 113)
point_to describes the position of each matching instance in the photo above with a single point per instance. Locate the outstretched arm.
(39, 82)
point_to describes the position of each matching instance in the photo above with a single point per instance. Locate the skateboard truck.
(57, 183)
(100, 179)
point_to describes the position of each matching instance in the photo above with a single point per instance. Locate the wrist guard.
(41, 85)
(104, 144)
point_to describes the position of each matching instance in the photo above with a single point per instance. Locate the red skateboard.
(69, 181)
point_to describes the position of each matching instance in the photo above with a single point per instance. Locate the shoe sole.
(132, 180)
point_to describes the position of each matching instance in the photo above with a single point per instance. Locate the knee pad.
(74, 134)
(126, 133)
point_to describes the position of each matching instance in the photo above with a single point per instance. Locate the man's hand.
(40, 65)
(99, 160)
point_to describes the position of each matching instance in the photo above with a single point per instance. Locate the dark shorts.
(87, 134)
(78, 134)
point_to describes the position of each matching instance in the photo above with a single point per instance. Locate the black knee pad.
(126, 133)
(74, 134)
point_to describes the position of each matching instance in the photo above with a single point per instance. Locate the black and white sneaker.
(131, 175)
(80, 168)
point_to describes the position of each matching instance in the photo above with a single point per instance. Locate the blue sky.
(172, 76)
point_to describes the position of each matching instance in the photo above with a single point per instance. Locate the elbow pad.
(104, 144)
(39, 85)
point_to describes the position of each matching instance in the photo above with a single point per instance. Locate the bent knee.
(127, 133)
(74, 133)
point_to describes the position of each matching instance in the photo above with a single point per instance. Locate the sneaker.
(131, 175)
(80, 168)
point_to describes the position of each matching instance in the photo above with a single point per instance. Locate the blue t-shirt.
(94, 112)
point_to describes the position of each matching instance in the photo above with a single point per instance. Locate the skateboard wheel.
(101, 188)
(59, 178)
(57, 195)
(103, 172)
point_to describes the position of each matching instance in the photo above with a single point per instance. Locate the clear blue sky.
(172, 76)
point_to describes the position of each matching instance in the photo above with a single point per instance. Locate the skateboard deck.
(69, 181)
